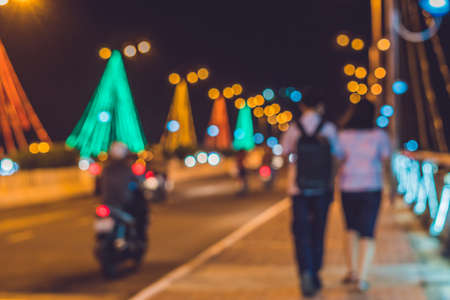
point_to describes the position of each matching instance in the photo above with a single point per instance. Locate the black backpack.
(314, 162)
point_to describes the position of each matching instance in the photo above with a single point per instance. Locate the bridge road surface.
(48, 249)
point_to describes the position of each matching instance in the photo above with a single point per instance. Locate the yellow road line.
(27, 222)
(19, 237)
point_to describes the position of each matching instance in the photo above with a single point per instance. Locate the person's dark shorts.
(361, 211)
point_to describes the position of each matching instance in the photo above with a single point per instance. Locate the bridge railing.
(424, 182)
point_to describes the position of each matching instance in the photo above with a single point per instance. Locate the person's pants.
(308, 226)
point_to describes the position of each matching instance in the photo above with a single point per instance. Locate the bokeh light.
(355, 98)
(342, 40)
(213, 130)
(251, 102)
(376, 89)
(214, 159)
(358, 44)
(258, 112)
(269, 111)
(436, 8)
(400, 87)
(3, 2)
(276, 107)
(268, 94)
(382, 121)
(259, 100)
(296, 96)
(283, 127)
(412, 145)
(360, 72)
(277, 149)
(6, 165)
(349, 69)
(239, 134)
(44, 147)
(190, 161)
(228, 92)
(237, 89)
(130, 51)
(239, 103)
(95, 169)
(213, 94)
(383, 44)
(259, 138)
(103, 156)
(387, 111)
(272, 141)
(34, 148)
(202, 158)
(362, 89)
(173, 126)
(352, 86)
(84, 164)
(174, 78)
(380, 72)
(203, 73)
(105, 53)
(192, 77)
(272, 120)
(144, 47)
(104, 117)
(265, 171)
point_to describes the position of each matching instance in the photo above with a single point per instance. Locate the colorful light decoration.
(192, 77)
(382, 121)
(130, 51)
(203, 73)
(349, 70)
(218, 133)
(342, 40)
(412, 145)
(244, 136)
(384, 44)
(190, 161)
(358, 44)
(174, 78)
(237, 89)
(173, 126)
(17, 116)
(296, 96)
(93, 135)
(104, 53)
(421, 189)
(259, 138)
(387, 111)
(213, 94)
(228, 92)
(268, 94)
(213, 130)
(144, 47)
(272, 141)
(214, 159)
(436, 8)
(8, 167)
(400, 87)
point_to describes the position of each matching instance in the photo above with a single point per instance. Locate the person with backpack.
(312, 146)
(365, 149)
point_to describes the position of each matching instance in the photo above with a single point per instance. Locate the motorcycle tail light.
(265, 171)
(102, 211)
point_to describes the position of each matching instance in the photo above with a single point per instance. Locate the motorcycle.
(116, 239)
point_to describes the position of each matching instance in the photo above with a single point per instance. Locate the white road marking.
(212, 251)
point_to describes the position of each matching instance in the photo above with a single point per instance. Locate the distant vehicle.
(116, 239)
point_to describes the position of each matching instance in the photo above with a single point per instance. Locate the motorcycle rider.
(120, 188)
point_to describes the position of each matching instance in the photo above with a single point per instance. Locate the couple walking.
(316, 153)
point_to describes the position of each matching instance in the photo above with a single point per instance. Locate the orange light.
(34, 148)
(352, 86)
(213, 94)
(44, 147)
(251, 102)
(362, 89)
(360, 72)
(358, 44)
(259, 100)
(342, 40)
(203, 73)
(258, 112)
(288, 115)
(269, 111)
(237, 89)
(349, 70)
(272, 120)
(380, 72)
(376, 89)
(283, 127)
(276, 107)
(130, 51)
(355, 98)
(239, 103)
(103, 156)
(384, 44)
(174, 78)
(104, 53)
(144, 47)
(228, 92)
(192, 77)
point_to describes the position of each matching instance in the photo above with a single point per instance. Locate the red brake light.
(102, 211)
(265, 171)
(138, 169)
(95, 169)
(149, 174)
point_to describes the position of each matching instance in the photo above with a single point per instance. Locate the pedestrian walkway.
(261, 266)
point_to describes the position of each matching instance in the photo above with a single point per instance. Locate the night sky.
(53, 46)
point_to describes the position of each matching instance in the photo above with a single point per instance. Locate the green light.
(244, 139)
(92, 134)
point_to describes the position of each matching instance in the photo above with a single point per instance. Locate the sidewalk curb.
(183, 270)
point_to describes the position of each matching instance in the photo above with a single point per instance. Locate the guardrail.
(424, 181)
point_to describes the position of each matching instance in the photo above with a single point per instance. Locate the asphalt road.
(47, 250)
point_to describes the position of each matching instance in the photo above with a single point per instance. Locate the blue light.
(239, 134)
(8, 167)
(387, 111)
(272, 141)
(412, 145)
(173, 126)
(268, 94)
(382, 122)
(104, 116)
(400, 87)
(259, 138)
(296, 96)
(213, 130)
(436, 8)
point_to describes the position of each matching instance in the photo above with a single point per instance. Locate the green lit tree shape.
(110, 115)
(243, 134)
